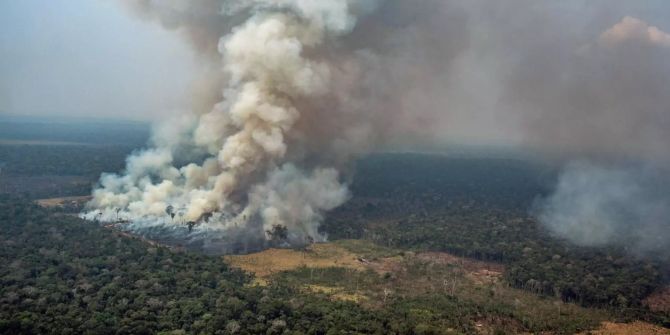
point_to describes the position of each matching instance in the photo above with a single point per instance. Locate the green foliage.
(436, 310)
(69, 160)
(43, 159)
(59, 274)
(368, 250)
(74, 131)
(478, 208)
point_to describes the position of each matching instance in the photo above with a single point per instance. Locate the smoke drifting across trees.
(594, 205)
(297, 89)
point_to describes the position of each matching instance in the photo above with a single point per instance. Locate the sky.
(90, 58)
(95, 58)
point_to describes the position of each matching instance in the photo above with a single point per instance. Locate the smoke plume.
(230, 169)
(627, 206)
(295, 89)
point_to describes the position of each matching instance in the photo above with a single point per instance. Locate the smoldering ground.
(295, 90)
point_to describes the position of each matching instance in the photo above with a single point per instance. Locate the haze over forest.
(448, 155)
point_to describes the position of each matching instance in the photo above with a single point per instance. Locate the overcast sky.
(94, 58)
(89, 58)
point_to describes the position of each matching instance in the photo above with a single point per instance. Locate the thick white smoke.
(294, 89)
(243, 180)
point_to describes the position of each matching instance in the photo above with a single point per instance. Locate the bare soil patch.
(659, 301)
(270, 261)
(55, 202)
(633, 328)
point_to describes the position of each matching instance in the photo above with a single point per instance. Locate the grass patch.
(367, 249)
(272, 261)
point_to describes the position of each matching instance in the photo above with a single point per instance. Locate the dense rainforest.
(59, 274)
(62, 275)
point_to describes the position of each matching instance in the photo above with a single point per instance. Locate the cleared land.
(55, 202)
(271, 261)
(659, 301)
(376, 277)
(633, 328)
(359, 255)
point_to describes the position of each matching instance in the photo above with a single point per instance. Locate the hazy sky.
(89, 58)
(96, 58)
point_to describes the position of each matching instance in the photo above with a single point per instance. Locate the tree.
(278, 234)
(170, 211)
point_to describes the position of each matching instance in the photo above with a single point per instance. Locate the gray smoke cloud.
(600, 97)
(596, 205)
(603, 96)
(296, 89)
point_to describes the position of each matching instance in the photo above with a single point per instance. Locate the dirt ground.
(320, 255)
(270, 261)
(633, 328)
(54, 202)
(659, 301)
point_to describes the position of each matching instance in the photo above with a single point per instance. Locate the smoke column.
(296, 89)
(245, 181)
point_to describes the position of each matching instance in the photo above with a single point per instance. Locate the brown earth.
(55, 202)
(633, 328)
(659, 301)
(271, 261)
(320, 255)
